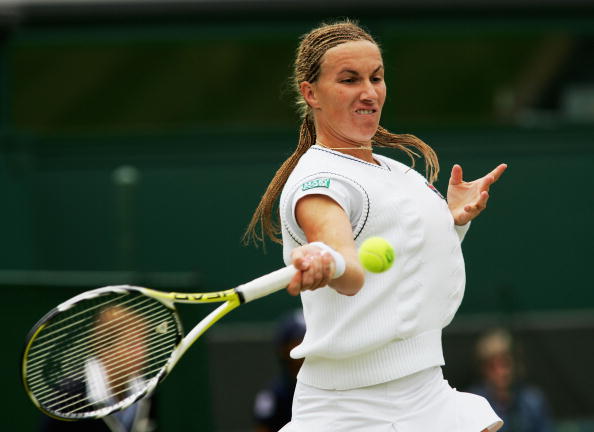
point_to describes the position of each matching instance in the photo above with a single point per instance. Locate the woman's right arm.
(323, 220)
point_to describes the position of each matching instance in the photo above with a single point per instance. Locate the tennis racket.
(104, 349)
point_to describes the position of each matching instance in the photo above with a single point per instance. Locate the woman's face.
(348, 97)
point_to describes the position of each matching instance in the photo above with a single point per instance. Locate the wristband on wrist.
(339, 262)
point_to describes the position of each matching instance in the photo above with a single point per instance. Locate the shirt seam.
(354, 159)
(367, 210)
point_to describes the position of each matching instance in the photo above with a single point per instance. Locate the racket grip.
(267, 284)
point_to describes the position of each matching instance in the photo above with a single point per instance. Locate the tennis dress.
(391, 330)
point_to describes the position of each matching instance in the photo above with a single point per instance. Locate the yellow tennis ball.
(376, 254)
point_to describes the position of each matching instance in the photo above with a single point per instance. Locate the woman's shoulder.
(320, 168)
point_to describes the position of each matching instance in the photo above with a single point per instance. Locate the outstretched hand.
(467, 200)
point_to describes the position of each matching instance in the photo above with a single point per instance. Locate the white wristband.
(339, 263)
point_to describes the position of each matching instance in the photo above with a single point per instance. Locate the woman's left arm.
(467, 200)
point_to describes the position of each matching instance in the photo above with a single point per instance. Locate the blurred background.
(136, 138)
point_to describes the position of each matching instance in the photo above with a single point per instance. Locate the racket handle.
(267, 284)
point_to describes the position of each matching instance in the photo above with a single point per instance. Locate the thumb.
(456, 176)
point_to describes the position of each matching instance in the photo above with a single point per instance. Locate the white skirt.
(422, 402)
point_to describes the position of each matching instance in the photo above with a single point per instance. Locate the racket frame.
(231, 299)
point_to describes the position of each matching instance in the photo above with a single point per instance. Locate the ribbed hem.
(392, 361)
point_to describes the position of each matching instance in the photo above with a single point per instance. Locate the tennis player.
(372, 347)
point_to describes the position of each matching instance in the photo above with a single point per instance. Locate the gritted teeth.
(365, 111)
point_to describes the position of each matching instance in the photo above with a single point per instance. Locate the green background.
(203, 110)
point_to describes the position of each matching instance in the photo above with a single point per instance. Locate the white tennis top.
(392, 327)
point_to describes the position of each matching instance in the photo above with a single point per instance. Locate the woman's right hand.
(316, 269)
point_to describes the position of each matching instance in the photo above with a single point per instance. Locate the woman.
(372, 348)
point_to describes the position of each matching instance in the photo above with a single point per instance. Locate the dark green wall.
(195, 196)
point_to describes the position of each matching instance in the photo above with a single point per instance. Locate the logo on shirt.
(321, 182)
(434, 189)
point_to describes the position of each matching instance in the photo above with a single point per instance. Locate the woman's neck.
(360, 151)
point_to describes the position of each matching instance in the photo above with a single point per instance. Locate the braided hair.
(307, 67)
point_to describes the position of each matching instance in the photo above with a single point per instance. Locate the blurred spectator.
(272, 407)
(523, 408)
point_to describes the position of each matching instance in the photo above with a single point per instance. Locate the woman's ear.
(308, 92)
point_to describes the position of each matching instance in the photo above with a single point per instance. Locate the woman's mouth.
(365, 111)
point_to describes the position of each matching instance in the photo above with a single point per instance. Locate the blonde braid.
(404, 143)
(263, 215)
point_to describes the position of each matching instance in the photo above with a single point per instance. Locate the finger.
(497, 172)
(306, 277)
(482, 204)
(313, 276)
(486, 182)
(294, 287)
(329, 268)
(479, 205)
(319, 272)
(301, 260)
(456, 175)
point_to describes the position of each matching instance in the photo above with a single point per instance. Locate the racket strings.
(110, 359)
(113, 396)
(86, 338)
(56, 399)
(120, 380)
(83, 316)
(84, 344)
(134, 345)
(156, 348)
(76, 399)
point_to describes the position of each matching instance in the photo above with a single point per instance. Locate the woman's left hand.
(467, 200)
